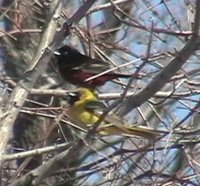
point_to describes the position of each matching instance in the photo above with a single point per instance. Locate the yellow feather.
(85, 118)
(78, 113)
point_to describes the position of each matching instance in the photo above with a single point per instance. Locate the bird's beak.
(57, 53)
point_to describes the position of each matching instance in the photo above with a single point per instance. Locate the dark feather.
(92, 106)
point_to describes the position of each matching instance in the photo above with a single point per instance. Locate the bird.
(76, 68)
(83, 112)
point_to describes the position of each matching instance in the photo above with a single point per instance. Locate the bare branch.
(169, 71)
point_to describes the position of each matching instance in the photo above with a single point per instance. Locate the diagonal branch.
(21, 91)
(170, 70)
(39, 63)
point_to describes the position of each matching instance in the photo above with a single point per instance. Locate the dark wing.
(93, 66)
(95, 106)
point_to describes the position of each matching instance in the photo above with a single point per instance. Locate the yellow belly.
(83, 119)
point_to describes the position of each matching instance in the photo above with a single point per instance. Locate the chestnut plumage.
(76, 68)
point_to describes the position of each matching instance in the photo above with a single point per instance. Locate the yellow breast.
(82, 117)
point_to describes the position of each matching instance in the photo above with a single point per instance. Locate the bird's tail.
(121, 75)
(124, 130)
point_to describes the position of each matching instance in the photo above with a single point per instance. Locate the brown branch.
(21, 91)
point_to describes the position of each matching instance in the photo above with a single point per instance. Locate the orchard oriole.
(82, 111)
(75, 68)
